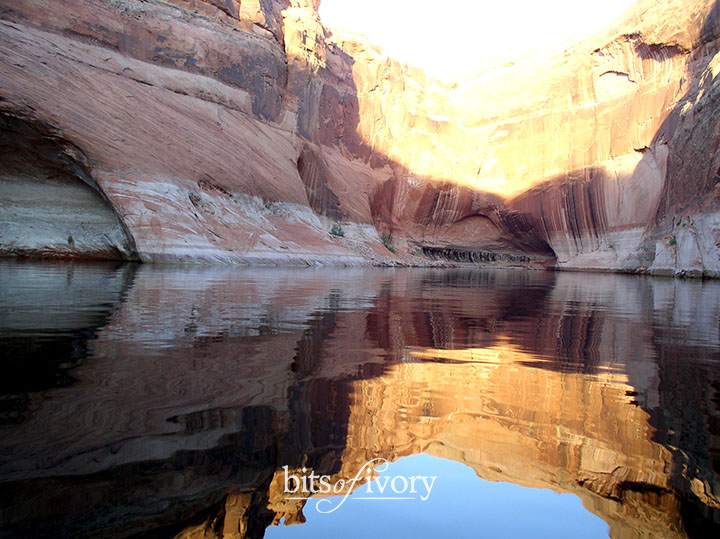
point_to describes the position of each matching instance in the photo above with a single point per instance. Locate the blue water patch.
(459, 505)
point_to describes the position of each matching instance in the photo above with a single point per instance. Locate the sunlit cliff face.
(599, 105)
(243, 131)
(583, 158)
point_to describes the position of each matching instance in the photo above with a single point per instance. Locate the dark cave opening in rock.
(50, 206)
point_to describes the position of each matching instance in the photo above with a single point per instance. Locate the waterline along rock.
(245, 131)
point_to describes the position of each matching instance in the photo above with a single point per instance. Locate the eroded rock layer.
(245, 131)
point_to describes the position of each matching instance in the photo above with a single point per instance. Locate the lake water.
(233, 402)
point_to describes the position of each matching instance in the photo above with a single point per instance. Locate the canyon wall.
(245, 131)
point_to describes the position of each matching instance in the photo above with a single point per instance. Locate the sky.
(453, 39)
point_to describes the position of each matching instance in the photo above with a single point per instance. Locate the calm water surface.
(187, 401)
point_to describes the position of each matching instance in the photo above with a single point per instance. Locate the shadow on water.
(185, 390)
(49, 313)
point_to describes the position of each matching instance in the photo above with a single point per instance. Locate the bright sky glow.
(452, 39)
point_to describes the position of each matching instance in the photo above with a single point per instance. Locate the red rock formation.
(242, 131)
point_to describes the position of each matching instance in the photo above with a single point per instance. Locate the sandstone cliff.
(242, 131)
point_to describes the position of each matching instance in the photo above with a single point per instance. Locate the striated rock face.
(177, 109)
(635, 166)
(242, 131)
(49, 203)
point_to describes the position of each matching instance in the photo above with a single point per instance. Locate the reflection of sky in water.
(460, 505)
(142, 399)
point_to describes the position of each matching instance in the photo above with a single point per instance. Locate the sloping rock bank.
(246, 132)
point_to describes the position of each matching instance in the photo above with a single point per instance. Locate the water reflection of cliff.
(198, 384)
